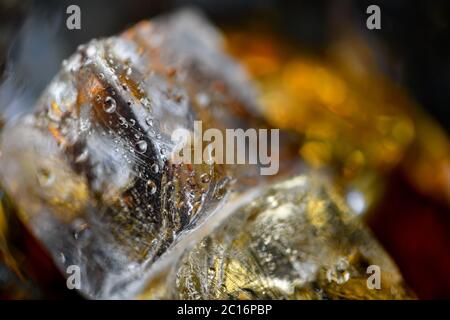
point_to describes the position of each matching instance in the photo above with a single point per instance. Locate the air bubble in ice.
(155, 168)
(151, 186)
(110, 105)
(205, 178)
(141, 146)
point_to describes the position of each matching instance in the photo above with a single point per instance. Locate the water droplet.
(123, 122)
(339, 272)
(110, 105)
(205, 178)
(155, 168)
(141, 146)
(151, 187)
(149, 121)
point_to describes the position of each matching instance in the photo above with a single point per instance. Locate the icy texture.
(91, 170)
(295, 240)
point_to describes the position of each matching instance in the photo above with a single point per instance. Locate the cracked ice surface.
(90, 167)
